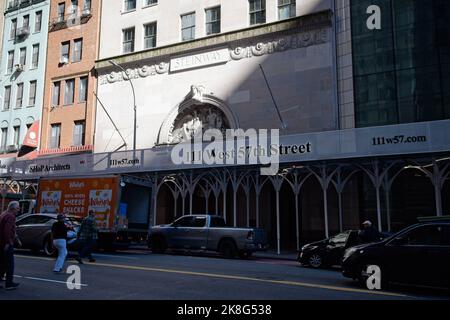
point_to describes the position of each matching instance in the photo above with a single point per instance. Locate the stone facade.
(294, 56)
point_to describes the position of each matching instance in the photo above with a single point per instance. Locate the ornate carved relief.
(301, 40)
(190, 121)
(199, 110)
(141, 72)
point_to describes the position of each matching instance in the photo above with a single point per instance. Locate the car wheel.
(158, 245)
(315, 260)
(228, 249)
(49, 249)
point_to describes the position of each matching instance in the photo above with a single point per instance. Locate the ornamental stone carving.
(302, 40)
(289, 42)
(141, 72)
(195, 120)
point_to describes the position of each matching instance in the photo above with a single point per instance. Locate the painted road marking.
(51, 280)
(231, 277)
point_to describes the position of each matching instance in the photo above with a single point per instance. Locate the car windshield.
(340, 238)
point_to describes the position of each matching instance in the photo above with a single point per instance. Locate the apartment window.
(23, 56)
(55, 136)
(7, 98)
(35, 59)
(150, 2)
(19, 97)
(69, 91)
(13, 31)
(56, 93)
(82, 91)
(4, 138)
(87, 5)
(10, 61)
(188, 27)
(130, 5)
(16, 139)
(212, 20)
(257, 11)
(65, 48)
(38, 21)
(61, 11)
(77, 50)
(150, 35)
(26, 22)
(73, 9)
(32, 95)
(79, 133)
(128, 40)
(286, 9)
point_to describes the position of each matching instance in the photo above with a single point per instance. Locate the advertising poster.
(76, 196)
(100, 203)
(50, 201)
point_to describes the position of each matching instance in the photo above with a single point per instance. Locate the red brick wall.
(67, 114)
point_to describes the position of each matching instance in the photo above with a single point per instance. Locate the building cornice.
(297, 24)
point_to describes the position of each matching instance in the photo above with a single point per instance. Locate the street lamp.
(134, 98)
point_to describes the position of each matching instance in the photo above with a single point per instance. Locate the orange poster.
(76, 196)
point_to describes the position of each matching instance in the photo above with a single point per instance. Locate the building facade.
(68, 114)
(2, 17)
(401, 72)
(234, 64)
(362, 115)
(23, 70)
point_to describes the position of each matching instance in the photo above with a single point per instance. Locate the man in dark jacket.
(369, 233)
(7, 240)
(87, 235)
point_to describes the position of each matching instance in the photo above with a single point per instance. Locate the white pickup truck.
(207, 233)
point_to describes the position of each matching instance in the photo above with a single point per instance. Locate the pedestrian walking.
(368, 233)
(87, 235)
(7, 241)
(59, 235)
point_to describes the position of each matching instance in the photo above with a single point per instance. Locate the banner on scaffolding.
(415, 138)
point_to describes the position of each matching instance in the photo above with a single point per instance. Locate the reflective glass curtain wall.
(401, 72)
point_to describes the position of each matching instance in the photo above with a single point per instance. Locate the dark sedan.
(417, 255)
(328, 252)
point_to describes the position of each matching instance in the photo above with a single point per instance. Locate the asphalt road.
(143, 275)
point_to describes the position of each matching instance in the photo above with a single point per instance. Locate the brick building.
(68, 114)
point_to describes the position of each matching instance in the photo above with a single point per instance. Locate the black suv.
(417, 255)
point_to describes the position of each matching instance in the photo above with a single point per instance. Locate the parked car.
(34, 231)
(417, 255)
(329, 252)
(207, 233)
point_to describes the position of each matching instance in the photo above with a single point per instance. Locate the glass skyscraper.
(402, 71)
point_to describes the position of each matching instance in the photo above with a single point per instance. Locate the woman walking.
(59, 234)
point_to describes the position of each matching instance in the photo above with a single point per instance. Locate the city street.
(143, 275)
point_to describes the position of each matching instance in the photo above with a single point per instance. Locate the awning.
(31, 141)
